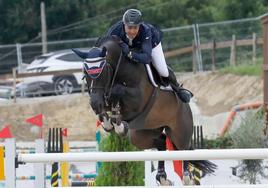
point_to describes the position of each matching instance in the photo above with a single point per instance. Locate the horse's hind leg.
(181, 139)
(160, 144)
(144, 139)
(147, 139)
(161, 175)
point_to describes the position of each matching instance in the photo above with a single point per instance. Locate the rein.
(115, 74)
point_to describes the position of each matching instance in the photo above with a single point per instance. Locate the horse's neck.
(144, 85)
(136, 82)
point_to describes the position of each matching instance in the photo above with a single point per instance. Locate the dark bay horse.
(125, 100)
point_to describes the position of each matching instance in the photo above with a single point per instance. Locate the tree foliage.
(250, 135)
(68, 19)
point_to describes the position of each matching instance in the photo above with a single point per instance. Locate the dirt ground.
(214, 93)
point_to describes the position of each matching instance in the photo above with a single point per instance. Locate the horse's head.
(100, 64)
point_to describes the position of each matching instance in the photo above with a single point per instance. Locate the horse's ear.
(98, 41)
(104, 51)
(81, 54)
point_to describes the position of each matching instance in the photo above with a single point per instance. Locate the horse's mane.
(106, 38)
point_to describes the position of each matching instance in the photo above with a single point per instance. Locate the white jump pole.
(220, 154)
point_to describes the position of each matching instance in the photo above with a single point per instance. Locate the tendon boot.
(184, 94)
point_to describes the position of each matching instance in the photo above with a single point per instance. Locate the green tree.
(236, 9)
(68, 19)
(18, 20)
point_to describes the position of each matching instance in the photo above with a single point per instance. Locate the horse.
(125, 100)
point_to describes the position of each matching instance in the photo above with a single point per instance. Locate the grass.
(244, 69)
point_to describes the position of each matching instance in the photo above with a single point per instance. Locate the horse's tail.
(198, 169)
(204, 166)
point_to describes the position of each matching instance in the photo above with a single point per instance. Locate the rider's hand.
(125, 48)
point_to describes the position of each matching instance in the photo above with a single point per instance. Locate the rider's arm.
(145, 55)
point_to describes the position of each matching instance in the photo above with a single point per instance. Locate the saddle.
(168, 83)
(155, 79)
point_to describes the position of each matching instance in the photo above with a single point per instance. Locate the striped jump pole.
(2, 157)
(71, 176)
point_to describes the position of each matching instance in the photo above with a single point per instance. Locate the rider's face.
(132, 31)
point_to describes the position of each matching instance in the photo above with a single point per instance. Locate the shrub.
(250, 135)
(119, 173)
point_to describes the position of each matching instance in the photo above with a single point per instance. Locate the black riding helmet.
(132, 17)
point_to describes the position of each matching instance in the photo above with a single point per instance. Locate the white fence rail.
(195, 186)
(220, 154)
(199, 186)
(40, 158)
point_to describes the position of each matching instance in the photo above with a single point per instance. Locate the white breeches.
(158, 60)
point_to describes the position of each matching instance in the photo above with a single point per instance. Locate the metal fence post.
(14, 84)
(200, 64)
(196, 47)
(264, 21)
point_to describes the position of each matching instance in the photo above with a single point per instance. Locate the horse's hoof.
(165, 182)
(161, 176)
(187, 180)
(122, 129)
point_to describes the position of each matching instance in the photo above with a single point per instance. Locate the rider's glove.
(125, 48)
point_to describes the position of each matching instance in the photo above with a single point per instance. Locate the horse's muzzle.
(97, 103)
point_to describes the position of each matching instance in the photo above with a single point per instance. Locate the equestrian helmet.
(132, 17)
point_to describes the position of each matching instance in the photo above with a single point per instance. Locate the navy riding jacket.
(147, 38)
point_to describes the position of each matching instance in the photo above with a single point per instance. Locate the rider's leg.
(159, 62)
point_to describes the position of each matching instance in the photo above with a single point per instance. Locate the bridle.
(109, 85)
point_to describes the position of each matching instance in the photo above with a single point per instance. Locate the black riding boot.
(184, 94)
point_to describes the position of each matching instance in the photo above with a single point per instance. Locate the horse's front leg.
(121, 95)
(106, 124)
(120, 127)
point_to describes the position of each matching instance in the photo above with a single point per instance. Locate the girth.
(137, 122)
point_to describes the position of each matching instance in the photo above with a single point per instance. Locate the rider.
(136, 34)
